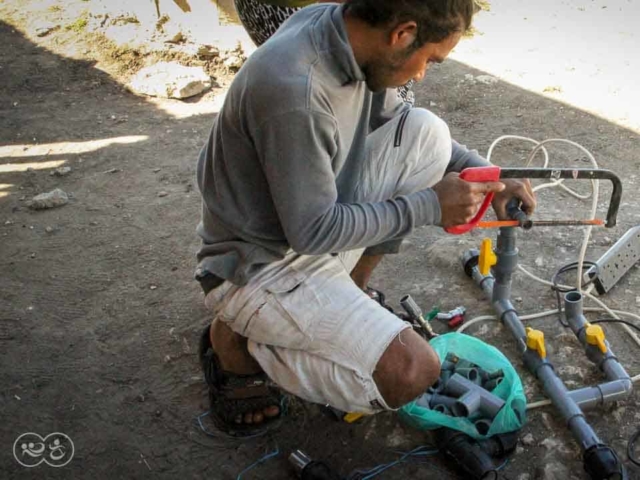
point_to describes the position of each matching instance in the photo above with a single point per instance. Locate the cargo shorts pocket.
(288, 314)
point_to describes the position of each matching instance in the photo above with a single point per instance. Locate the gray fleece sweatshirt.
(286, 149)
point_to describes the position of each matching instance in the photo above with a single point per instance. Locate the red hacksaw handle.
(477, 174)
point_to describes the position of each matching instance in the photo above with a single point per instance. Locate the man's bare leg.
(234, 357)
(361, 273)
(409, 366)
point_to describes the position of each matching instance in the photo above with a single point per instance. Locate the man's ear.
(403, 35)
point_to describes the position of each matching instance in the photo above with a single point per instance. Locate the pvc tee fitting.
(472, 398)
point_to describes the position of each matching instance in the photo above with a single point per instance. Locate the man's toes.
(258, 417)
(248, 418)
(272, 411)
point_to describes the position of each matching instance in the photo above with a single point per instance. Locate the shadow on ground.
(99, 315)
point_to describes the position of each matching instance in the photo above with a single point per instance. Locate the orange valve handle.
(477, 174)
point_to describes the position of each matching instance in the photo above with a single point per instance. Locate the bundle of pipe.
(464, 390)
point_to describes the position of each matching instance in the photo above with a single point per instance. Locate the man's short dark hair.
(436, 19)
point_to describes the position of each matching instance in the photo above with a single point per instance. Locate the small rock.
(539, 261)
(93, 224)
(486, 79)
(518, 299)
(61, 172)
(49, 229)
(153, 287)
(567, 351)
(9, 222)
(519, 450)
(571, 371)
(524, 476)
(207, 51)
(113, 170)
(170, 80)
(552, 471)
(234, 61)
(528, 440)
(396, 438)
(33, 255)
(156, 170)
(547, 421)
(55, 198)
(45, 29)
(163, 194)
(555, 446)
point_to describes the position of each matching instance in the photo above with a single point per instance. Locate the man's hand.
(520, 189)
(460, 200)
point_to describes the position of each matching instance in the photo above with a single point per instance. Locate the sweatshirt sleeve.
(462, 157)
(296, 151)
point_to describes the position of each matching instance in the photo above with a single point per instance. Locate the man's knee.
(434, 133)
(407, 369)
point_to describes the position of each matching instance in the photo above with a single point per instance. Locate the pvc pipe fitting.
(483, 426)
(448, 402)
(471, 374)
(442, 409)
(458, 386)
(447, 365)
(467, 404)
(492, 384)
(424, 400)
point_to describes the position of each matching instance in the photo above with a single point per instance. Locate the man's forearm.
(462, 157)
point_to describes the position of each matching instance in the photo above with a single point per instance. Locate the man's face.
(396, 68)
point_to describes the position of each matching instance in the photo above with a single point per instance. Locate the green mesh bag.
(510, 418)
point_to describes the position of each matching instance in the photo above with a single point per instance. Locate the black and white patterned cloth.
(261, 20)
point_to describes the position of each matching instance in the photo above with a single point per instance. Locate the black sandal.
(231, 395)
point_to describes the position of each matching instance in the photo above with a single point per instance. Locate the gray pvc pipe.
(568, 408)
(619, 385)
(590, 397)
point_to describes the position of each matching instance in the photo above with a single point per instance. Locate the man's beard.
(379, 72)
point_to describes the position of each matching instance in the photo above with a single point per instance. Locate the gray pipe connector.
(458, 386)
(424, 400)
(467, 404)
(483, 426)
(442, 409)
(492, 384)
(448, 402)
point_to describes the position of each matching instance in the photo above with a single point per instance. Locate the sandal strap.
(231, 395)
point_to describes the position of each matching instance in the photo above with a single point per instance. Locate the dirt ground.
(100, 315)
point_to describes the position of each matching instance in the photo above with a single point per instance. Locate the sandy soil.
(99, 315)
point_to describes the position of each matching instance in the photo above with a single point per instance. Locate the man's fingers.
(500, 209)
(528, 199)
(486, 187)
